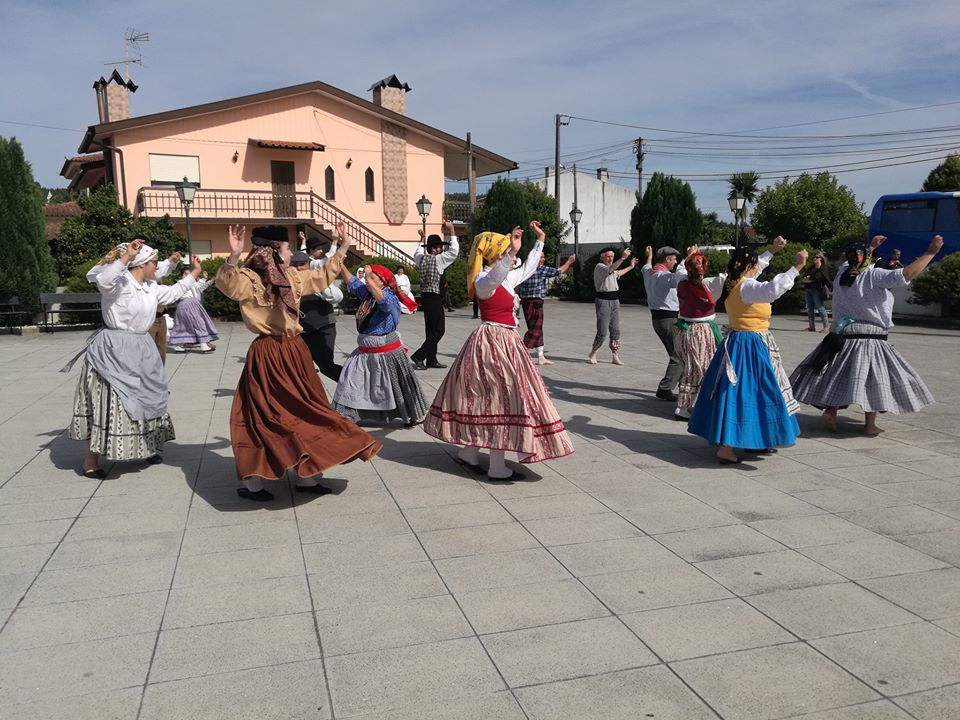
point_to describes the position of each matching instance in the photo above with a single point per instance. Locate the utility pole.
(576, 238)
(638, 151)
(471, 179)
(556, 164)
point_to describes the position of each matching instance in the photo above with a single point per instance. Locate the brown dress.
(281, 417)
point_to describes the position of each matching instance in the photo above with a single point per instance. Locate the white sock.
(498, 465)
(540, 352)
(253, 484)
(469, 455)
(308, 481)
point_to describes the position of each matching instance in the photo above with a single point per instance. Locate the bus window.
(901, 216)
(948, 215)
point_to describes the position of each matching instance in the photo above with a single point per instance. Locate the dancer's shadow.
(224, 392)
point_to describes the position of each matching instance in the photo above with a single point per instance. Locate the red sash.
(385, 348)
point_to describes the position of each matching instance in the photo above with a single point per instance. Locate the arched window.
(330, 192)
(368, 182)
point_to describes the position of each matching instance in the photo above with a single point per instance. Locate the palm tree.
(746, 184)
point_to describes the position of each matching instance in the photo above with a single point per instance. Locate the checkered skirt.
(868, 373)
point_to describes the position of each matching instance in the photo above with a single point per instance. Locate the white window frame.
(163, 164)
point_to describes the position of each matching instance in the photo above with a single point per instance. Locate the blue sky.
(502, 69)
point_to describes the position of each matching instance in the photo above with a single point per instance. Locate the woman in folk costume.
(855, 364)
(745, 400)
(696, 335)
(377, 381)
(120, 407)
(191, 324)
(493, 397)
(281, 418)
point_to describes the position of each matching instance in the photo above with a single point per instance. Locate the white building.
(606, 208)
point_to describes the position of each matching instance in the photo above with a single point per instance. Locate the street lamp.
(186, 191)
(576, 215)
(736, 202)
(423, 207)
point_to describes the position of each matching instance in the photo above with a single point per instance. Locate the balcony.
(247, 206)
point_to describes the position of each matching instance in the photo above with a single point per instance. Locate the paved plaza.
(634, 579)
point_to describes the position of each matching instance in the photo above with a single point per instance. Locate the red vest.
(498, 308)
(695, 302)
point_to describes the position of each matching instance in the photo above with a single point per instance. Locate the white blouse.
(129, 305)
(196, 292)
(503, 273)
(753, 291)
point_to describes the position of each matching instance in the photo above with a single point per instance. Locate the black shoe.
(476, 317)
(313, 489)
(666, 395)
(94, 474)
(258, 496)
(436, 366)
(154, 459)
(681, 418)
(468, 466)
(419, 364)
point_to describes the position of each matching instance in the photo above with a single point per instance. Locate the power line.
(35, 125)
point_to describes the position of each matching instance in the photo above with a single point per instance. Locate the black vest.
(316, 313)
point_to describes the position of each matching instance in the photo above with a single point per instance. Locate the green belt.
(685, 325)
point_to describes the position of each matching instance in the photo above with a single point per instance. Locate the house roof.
(288, 144)
(83, 170)
(486, 161)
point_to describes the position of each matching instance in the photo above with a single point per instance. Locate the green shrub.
(457, 280)
(940, 283)
(77, 283)
(794, 299)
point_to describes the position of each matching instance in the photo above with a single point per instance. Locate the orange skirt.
(281, 417)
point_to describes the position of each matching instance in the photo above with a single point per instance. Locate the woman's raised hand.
(537, 230)
(516, 239)
(238, 236)
(778, 244)
(935, 245)
(801, 259)
(133, 249)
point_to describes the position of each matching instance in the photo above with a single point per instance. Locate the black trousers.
(321, 344)
(434, 325)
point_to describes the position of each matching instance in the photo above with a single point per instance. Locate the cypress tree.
(505, 207)
(26, 268)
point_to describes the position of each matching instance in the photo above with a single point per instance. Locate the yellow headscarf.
(489, 246)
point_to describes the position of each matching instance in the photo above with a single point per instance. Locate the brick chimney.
(113, 97)
(391, 94)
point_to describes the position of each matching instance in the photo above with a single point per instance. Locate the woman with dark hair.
(377, 381)
(281, 418)
(745, 399)
(493, 397)
(855, 364)
(120, 406)
(696, 335)
(816, 281)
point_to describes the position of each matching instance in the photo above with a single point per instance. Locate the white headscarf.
(145, 255)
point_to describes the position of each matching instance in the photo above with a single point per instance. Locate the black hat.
(435, 241)
(315, 241)
(299, 258)
(269, 234)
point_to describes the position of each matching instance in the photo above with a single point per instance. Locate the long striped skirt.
(494, 398)
(99, 416)
(192, 324)
(695, 345)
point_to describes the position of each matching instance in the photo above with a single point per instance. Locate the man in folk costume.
(120, 406)
(606, 283)
(493, 397)
(660, 282)
(281, 418)
(439, 255)
(532, 293)
(317, 310)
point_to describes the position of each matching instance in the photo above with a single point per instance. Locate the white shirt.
(503, 274)
(753, 291)
(196, 292)
(128, 305)
(661, 286)
(868, 298)
(444, 259)
(403, 282)
(333, 294)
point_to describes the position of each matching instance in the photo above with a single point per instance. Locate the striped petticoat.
(533, 315)
(494, 398)
(786, 389)
(98, 416)
(868, 373)
(695, 345)
(192, 324)
(379, 386)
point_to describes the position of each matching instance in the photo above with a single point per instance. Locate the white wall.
(606, 208)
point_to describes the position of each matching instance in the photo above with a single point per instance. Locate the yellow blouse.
(260, 314)
(747, 316)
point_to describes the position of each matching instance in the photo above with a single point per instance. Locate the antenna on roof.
(132, 39)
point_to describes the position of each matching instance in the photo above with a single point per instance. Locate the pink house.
(306, 155)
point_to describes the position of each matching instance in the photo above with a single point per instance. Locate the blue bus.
(910, 220)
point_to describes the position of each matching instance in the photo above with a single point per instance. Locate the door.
(284, 189)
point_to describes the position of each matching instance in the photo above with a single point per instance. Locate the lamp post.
(576, 214)
(186, 191)
(423, 207)
(737, 203)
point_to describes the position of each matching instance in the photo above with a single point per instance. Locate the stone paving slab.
(635, 578)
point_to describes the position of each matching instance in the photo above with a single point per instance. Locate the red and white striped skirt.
(494, 398)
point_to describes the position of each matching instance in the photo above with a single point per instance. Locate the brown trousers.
(158, 331)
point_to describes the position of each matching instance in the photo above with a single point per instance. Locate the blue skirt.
(741, 403)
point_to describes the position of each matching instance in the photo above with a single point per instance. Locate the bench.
(10, 311)
(48, 300)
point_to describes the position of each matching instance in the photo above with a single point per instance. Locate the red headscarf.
(696, 266)
(390, 281)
